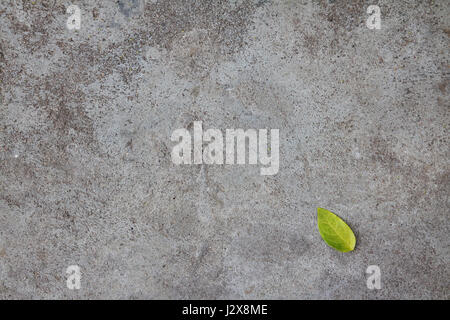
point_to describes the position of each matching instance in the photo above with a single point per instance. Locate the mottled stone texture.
(86, 175)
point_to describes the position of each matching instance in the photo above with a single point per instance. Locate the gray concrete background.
(86, 176)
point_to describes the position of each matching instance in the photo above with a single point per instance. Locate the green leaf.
(334, 231)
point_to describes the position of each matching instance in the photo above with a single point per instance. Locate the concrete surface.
(86, 176)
